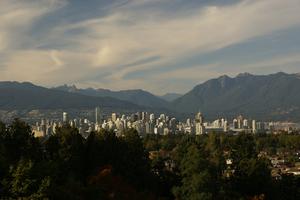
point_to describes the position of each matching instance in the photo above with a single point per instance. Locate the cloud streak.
(132, 37)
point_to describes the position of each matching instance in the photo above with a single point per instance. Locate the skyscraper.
(240, 121)
(200, 129)
(65, 117)
(254, 127)
(114, 117)
(98, 115)
(199, 118)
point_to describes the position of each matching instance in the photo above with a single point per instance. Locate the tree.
(197, 179)
(19, 142)
(24, 182)
(252, 177)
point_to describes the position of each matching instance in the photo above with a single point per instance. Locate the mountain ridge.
(137, 96)
(266, 97)
(271, 96)
(25, 95)
(170, 96)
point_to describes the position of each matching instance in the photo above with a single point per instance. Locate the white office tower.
(160, 128)
(217, 123)
(222, 122)
(200, 129)
(172, 125)
(166, 131)
(105, 125)
(65, 118)
(54, 126)
(98, 127)
(139, 127)
(120, 127)
(254, 128)
(72, 124)
(145, 116)
(111, 125)
(199, 118)
(240, 122)
(152, 117)
(235, 124)
(225, 126)
(260, 127)
(113, 117)
(155, 130)
(162, 117)
(245, 123)
(129, 124)
(98, 115)
(43, 127)
(76, 123)
(188, 122)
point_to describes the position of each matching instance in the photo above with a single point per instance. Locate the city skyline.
(146, 44)
(150, 99)
(147, 123)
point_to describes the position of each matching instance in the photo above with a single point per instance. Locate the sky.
(156, 45)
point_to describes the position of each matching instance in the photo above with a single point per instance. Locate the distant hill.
(138, 97)
(18, 96)
(265, 97)
(170, 96)
(275, 96)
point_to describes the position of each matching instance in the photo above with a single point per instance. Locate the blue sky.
(157, 45)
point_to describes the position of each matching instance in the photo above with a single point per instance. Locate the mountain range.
(265, 97)
(170, 96)
(20, 96)
(138, 97)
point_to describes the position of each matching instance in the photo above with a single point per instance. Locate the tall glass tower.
(97, 115)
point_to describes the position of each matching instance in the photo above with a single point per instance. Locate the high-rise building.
(152, 117)
(113, 117)
(235, 124)
(145, 116)
(65, 117)
(199, 118)
(240, 120)
(98, 115)
(172, 125)
(149, 126)
(200, 129)
(139, 115)
(254, 127)
(162, 117)
(133, 117)
(260, 127)
(225, 126)
(188, 122)
(245, 123)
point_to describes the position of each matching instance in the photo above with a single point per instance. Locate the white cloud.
(18, 17)
(130, 34)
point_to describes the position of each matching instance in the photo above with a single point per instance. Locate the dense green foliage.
(200, 170)
(67, 166)
(103, 166)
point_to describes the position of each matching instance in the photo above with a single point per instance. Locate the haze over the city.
(160, 46)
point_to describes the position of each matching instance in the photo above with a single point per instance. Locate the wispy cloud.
(134, 36)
